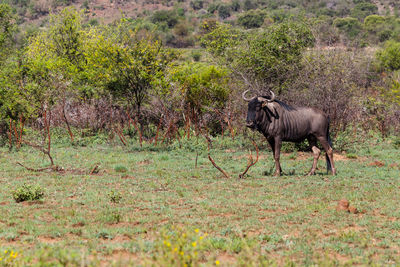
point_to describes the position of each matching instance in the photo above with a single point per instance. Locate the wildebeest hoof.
(311, 173)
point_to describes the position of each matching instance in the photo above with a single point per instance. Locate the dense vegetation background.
(174, 68)
(130, 100)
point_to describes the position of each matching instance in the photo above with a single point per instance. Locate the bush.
(165, 16)
(350, 26)
(224, 11)
(115, 196)
(389, 57)
(362, 10)
(197, 4)
(252, 19)
(28, 192)
(120, 168)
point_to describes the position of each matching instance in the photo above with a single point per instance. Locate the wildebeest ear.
(271, 108)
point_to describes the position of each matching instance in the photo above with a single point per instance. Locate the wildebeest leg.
(313, 143)
(329, 151)
(275, 152)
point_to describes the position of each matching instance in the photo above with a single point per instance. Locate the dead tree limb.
(120, 135)
(212, 160)
(251, 162)
(138, 129)
(67, 123)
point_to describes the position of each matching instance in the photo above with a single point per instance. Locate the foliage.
(364, 9)
(224, 11)
(197, 4)
(178, 247)
(9, 257)
(168, 17)
(127, 63)
(114, 196)
(350, 26)
(202, 86)
(27, 192)
(7, 30)
(268, 58)
(120, 168)
(389, 56)
(251, 19)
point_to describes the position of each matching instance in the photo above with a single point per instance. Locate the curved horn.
(272, 97)
(244, 96)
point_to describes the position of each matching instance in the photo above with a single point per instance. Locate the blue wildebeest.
(279, 122)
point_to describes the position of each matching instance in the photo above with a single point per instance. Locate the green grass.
(161, 198)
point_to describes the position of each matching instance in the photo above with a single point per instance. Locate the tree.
(55, 61)
(264, 60)
(127, 63)
(7, 30)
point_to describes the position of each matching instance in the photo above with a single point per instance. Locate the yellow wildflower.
(168, 244)
(175, 249)
(196, 230)
(15, 254)
(194, 244)
(217, 262)
(201, 237)
(182, 253)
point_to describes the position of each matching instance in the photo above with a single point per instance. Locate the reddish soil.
(377, 163)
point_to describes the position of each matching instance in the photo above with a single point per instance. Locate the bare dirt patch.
(377, 164)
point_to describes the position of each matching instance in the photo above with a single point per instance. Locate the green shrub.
(28, 192)
(252, 19)
(110, 216)
(224, 11)
(350, 26)
(197, 4)
(165, 16)
(115, 196)
(120, 168)
(362, 10)
(178, 247)
(389, 56)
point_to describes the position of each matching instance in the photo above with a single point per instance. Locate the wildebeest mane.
(283, 104)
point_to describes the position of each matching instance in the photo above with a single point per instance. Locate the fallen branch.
(94, 170)
(53, 167)
(211, 159)
(251, 162)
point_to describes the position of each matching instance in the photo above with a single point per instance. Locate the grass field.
(153, 206)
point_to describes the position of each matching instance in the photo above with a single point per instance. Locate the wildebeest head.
(255, 106)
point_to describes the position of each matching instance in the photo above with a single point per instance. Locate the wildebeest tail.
(328, 162)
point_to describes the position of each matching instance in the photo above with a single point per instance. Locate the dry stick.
(10, 134)
(158, 130)
(16, 134)
(167, 132)
(120, 136)
(211, 159)
(136, 127)
(36, 170)
(21, 130)
(251, 161)
(67, 123)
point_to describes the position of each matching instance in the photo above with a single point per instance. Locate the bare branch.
(211, 159)
(251, 162)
